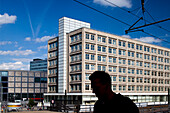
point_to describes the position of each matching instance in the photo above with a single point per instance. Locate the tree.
(31, 103)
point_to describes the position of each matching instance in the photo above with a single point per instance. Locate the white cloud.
(22, 59)
(6, 19)
(17, 52)
(44, 38)
(148, 39)
(14, 66)
(27, 39)
(42, 47)
(120, 3)
(5, 42)
(126, 36)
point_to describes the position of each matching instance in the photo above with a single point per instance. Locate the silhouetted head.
(100, 83)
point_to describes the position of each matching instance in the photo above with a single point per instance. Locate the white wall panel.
(66, 25)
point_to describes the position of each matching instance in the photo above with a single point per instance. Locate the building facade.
(17, 85)
(38, 65)
(53, 65)
(138, 70)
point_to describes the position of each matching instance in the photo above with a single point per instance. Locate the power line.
(117, 20)
(134, 14)
(102, 12)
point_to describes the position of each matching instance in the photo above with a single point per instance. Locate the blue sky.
(26, 25)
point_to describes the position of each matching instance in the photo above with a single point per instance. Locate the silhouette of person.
(108, 101)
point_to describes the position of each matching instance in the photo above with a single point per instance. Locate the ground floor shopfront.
(90, 98)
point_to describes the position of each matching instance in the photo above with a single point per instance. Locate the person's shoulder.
(127, 103)
(121, 98)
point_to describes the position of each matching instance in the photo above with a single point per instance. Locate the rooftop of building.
(124, 38)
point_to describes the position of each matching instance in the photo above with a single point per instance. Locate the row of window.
(130, 45)
(53, 45)
(77, 67)
(121, 69)
(77, 57)
(52, 71)
(76, 47)
(53, 63)
(121, 52)
(76, 37)
(53, 54)
(132, 88)
(123, 61)
(52, 88)
(52, 80)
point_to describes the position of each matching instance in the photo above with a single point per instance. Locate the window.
(146, 49)
(87, 76)
(92, 47)
(112, 50)
(146, 72)
(131, 54)
(87, 46)
(160, 52)
(131, 71)
(131, 62)
(147, 65)
(166, 67)
(131, 45)
(139, 47)
(112, 69)
(75, 38)
(153, 50)
(87, 67)
(92, 57)
(122, 52)
(166, 60)
(160, 59)
(139, 55)
(99, 58)
(99, 48)
(112, 41)
(122, 70)
(166, 53)
(138, 63)
(112, 60)
(114, 78)
(147, 57)
(139, 72)
(87, 56)
(103, 49)
(101, 39)
(87, 36)
(122, 61)
(122, 79)
(122, 43)
(87, 87)
(154, 58)
(114, 88)
(92, 37)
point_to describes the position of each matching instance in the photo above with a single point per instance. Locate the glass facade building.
(38, 65)
(16, 85)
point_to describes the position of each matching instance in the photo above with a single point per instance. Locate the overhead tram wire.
(117, 19)
(101, 12)
(135, 15)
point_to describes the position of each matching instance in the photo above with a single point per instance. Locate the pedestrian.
(108, 101)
